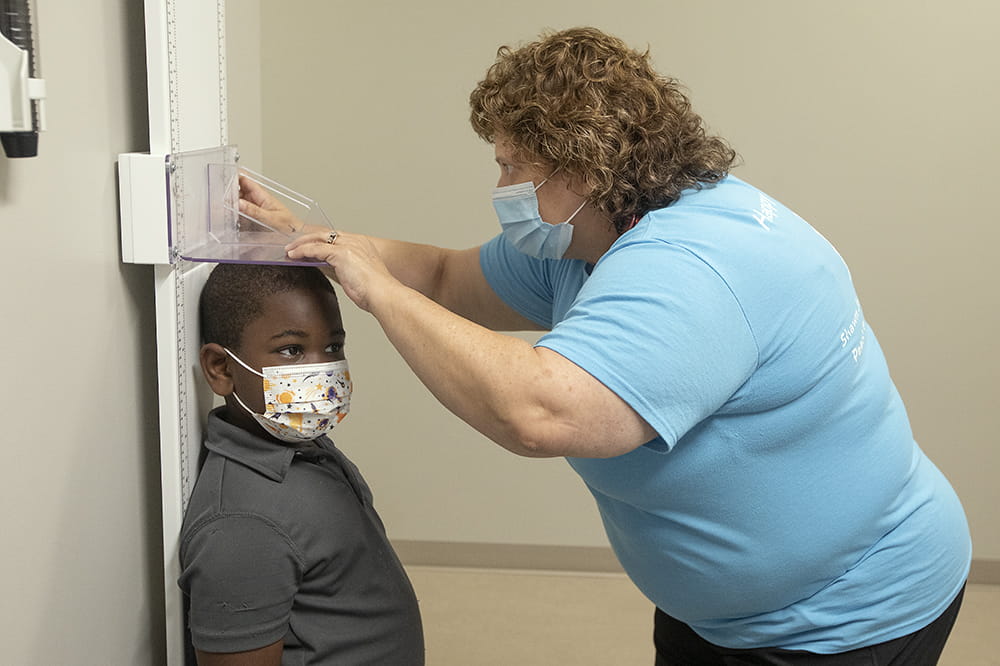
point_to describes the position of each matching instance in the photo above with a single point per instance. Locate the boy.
(283, 556)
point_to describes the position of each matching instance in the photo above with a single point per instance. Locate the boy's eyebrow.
(290, 333)
(296, 333)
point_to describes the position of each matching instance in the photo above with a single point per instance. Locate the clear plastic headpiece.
(205, 221)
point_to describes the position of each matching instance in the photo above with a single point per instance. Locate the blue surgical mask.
(522, 224)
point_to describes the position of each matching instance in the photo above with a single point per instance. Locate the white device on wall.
(22, 91)
(184, 207)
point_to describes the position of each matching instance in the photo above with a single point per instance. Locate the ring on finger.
(332, 237)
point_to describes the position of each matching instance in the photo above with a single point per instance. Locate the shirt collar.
(265, 456)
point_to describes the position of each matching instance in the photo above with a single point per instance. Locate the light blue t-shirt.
(785, 502)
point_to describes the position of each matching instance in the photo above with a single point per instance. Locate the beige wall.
(243, 49)
(876, 121)
(81, 561)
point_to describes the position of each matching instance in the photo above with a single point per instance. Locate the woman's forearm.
(528, 400)
(458, 361)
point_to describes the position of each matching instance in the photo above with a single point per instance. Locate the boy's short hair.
(234, 294)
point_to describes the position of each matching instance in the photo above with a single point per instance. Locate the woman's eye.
(290, 352)
(334, 348)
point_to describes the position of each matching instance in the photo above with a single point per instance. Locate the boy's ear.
(215, 366)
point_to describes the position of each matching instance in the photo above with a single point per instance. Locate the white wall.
(81, 561)
(876, 121)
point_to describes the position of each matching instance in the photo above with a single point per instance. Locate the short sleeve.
(241, 573)
(660, 327)
(522, 282)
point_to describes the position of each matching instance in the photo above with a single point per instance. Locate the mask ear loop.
(547, 178)
(237, 359)
(570, 218)
(243, 405)
(235, 394)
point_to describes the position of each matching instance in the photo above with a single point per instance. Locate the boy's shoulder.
(246, 475)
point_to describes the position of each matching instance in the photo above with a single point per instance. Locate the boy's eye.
(290, 351)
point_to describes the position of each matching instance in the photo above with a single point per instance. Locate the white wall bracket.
(143, 197)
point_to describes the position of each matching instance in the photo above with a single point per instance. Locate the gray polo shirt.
(285, 544)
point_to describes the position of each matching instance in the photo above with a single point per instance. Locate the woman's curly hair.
(583, 101)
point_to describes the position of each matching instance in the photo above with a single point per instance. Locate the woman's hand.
(257, 203)
(357, 265)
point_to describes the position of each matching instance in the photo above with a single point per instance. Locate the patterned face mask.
(302, 402)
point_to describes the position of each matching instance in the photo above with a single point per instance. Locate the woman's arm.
(529, 400)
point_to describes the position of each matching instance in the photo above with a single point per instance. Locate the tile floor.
(479, 617)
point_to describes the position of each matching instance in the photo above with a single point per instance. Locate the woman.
(707, 369)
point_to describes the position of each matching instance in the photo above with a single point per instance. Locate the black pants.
(678, 645)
